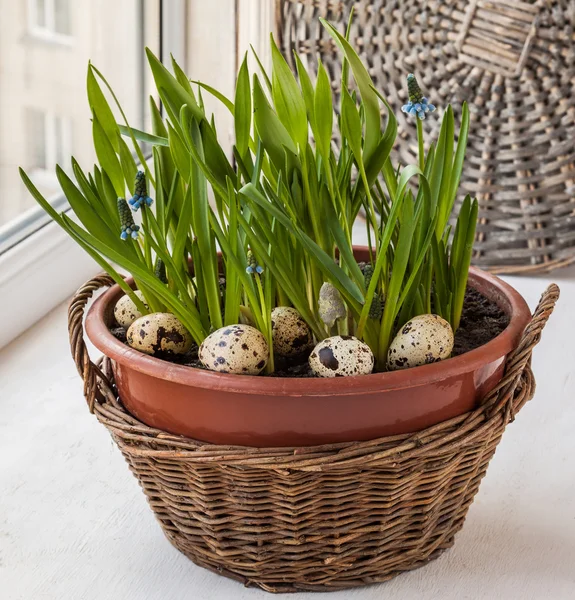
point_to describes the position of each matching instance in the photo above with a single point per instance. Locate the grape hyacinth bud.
(418, 104)
(376, 308)
(160, 270)
(129, 228)
(140, 197)
(253, 266)
(330, 304)
(413, 89)
(367, 273)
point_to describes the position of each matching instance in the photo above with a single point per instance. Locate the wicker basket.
(513, 62)
(314, 518)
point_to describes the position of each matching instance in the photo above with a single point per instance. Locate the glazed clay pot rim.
(509, 300)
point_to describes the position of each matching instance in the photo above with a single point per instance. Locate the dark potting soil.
(481, 321)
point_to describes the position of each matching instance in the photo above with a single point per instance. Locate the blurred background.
(44, 52)
(44, 116)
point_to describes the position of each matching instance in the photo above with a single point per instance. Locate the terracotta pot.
(272, 411)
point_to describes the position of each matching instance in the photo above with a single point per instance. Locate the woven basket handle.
(97, 386)
(503, 397)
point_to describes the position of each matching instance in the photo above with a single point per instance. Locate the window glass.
(62, 148)
(62, 16)
(44, 112)
(40, 13)
(36, 137)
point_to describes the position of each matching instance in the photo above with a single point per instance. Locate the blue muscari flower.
(137, 202)
(127, 226)
(418, 104)
(253, 266)
(140, 197)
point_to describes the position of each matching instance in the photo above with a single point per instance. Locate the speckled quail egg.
(423, 340)
(125, 311)
(330, 304)
(291, 334)
(239, 349)
(341, 356)
(159, 334)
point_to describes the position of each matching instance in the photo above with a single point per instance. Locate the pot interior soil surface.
(481, 321)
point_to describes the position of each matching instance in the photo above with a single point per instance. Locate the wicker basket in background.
(514, 63)
(314, 518)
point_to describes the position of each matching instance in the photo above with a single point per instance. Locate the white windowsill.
(36, 275)
(75, 524)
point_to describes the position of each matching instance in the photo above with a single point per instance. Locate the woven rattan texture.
(514, 63)
(316, 518)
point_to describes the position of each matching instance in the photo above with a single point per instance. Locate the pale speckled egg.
(239, 349)
(159, 334)
(423, 340)
(341, 356)
(125, 311)
(331, 306)
(290, 333)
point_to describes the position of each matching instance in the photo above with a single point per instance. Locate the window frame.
(48, 31)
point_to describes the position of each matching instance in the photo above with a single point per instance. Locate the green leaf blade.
(107, 157)
(100, 107)
(323, 110)
(288, 99)
(242, 109)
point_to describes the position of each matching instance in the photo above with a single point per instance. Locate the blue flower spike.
(128, 227)
(253, 266)
(418, 104)
(140, 197)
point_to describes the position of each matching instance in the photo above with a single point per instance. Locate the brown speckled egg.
(159, 334)
(341, 356)
(125, 311)
(239, 349)
(291, 334)
(423, 340)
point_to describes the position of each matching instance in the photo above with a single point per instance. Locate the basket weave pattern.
(314, 518)
(512, 61)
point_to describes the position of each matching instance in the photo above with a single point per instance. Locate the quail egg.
(159, 334)
(239, 349)
(125, 311)
(341, 356)
(423, 340)
(291, 334)
(330, 304)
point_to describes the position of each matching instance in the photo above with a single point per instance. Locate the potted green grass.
(302, 413)
(244, 265)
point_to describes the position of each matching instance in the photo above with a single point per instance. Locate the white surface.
(74, 524)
